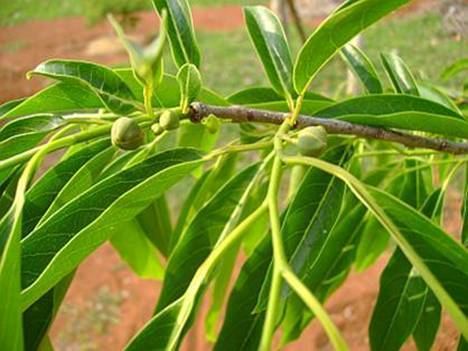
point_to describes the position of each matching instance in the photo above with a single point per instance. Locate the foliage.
(130, 135)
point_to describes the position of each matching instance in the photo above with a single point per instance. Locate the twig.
(241, 114)
(297, 20)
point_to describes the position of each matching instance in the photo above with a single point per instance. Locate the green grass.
(230, 63)
(17, 11)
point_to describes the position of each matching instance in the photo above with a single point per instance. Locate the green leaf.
(257, 95)
(147, 63)
(83, 169)
(60, 97)
(220, 287)
(11, 328)
(425, 332)
(197, 136)
(167, 93)
(9, 105)
(269, 39)
(339, 28)
(431, 92)
(114, 200)
(363, 68)
(399, 74)
(23, 134)
(464, 236)
(435, 250)
(184, 45)
(202, 233)
(402, 295)
(134, 247)
(330, 270)
(455, 68)
(60, 184)
(399, 111)
(102, 81)
(399, 305)
(190, 84)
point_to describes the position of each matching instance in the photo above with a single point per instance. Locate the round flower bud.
(211, 123)
(169, 120)
(312, 141)
(126, 134)
(157, 129)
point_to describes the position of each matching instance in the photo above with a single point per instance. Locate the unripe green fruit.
(157, 129)
(211, 123)
(312, 141)
(169, 120)
(126, 134)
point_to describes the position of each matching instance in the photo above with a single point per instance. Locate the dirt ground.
(107, 303)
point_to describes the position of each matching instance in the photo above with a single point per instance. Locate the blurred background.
(107, 303)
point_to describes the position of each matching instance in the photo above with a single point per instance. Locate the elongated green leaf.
(399, 74)
(84, 177)
(272, 48)
(399, 305)
(184, 45)
(330, 269)
(309, 107)
(146, 62)
(220, 286)
(23, 134)
(134, 247)
(102, 81)
(455, 68)
(464, 236)
(340, 27)
(402, 295)
(11, 328)
(399, 111)
(241, 330)
(59, 97)
(9, 105)
(202, 233)
(113, 200)
(62, 182)
(190, 84)
(426, 330)
(257, 95)
(155, 221)
(442, 256)
(167, 93)
(363, 67)
(434, 93)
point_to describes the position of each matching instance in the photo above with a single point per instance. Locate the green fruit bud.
(211, 123)
(157, 129)
(312, 141)
(169, 120)
(126, 134)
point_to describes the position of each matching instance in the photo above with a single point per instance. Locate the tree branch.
(241, 114)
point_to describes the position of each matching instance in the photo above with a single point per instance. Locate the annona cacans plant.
(126, 134)
(186, 196)
(312, 141)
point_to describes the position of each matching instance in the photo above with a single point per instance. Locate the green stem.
(147, 96)
(316, 307)
(278, 255)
